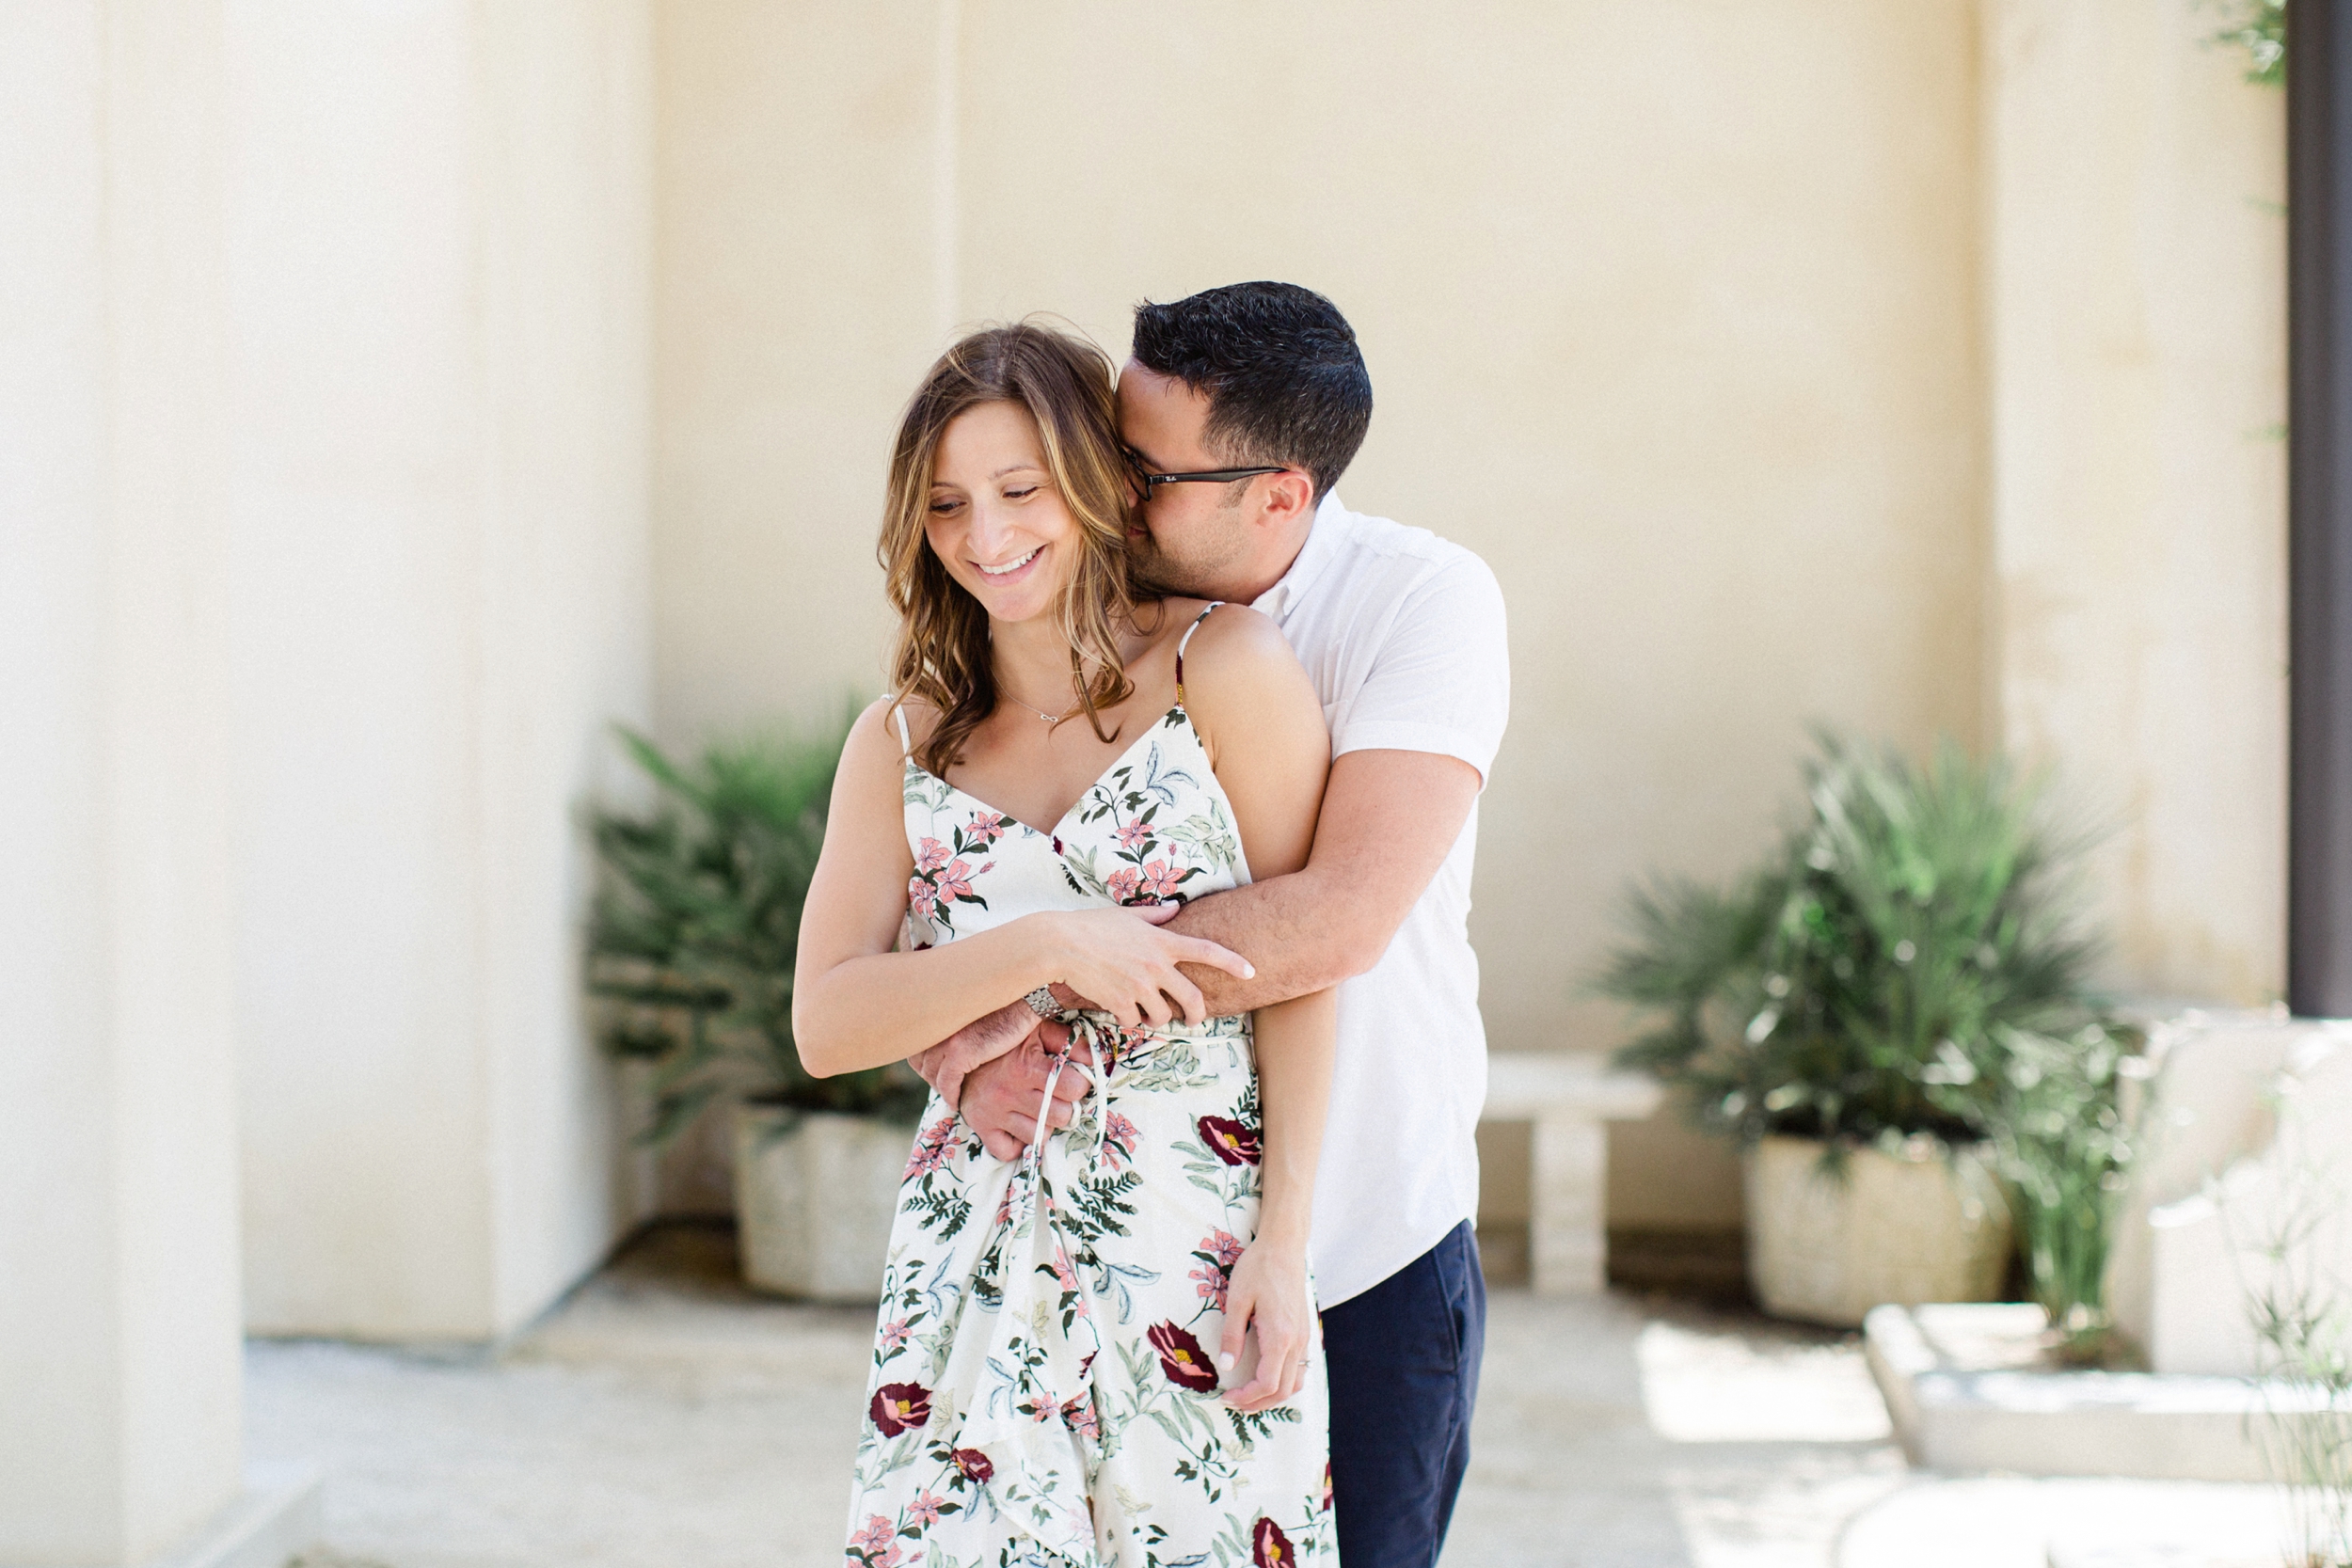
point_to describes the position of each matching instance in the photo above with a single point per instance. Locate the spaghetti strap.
(906, 741)
(1183, 641)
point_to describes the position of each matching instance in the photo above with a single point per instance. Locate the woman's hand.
(1268, 1292)
(1123, 963)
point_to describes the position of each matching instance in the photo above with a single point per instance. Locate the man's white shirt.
(1403, 634)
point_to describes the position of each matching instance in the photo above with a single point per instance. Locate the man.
(1403, 634)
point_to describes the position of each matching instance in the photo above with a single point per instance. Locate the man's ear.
(1286, 500)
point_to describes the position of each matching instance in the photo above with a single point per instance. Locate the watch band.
(1042, 1002)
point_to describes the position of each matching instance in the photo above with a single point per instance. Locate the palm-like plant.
(1908, 962)
(1848, 988)
(695, 921)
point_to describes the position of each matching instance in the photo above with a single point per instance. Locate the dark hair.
(1285, 380)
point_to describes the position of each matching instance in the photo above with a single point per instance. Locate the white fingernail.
(1225, 1361)
(1248, 972)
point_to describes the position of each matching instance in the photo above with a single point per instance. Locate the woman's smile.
(1011, 571)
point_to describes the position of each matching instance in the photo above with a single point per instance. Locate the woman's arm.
(856, 1004)
(1245, 688)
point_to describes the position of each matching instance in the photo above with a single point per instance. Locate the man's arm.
(1389, 818)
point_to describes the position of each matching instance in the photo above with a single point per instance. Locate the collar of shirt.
(1323, 539)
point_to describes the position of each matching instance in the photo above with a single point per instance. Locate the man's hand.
(945, 1065)
(1001, 1097)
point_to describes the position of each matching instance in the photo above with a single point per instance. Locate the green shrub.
(1907, 962)
(696, 917)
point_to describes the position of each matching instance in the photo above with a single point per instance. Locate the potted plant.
(1861, 1012)
(690, 946)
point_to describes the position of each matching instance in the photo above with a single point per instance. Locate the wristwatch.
(1042, 1002)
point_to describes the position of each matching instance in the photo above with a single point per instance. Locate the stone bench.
(1569, 1099)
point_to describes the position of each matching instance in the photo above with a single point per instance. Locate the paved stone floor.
(663, 1417)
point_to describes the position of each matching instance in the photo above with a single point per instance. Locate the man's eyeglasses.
(1204, 476)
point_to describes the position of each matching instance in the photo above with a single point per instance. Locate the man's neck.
(1273, 569)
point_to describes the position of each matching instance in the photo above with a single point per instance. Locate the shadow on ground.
(665, 1417)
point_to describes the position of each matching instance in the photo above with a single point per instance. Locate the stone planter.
(814, 1197)
(1898, 1228)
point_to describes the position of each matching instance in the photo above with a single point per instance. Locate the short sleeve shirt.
(1404, 636)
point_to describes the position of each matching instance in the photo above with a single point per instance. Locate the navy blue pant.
(1403, 1368)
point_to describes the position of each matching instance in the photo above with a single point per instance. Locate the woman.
(1103, 1353)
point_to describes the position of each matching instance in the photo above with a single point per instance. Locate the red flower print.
(1119, 1138)
(929, 855)
(1213, 1284)
(900, 1407)
(1230, 1141)
(1137, 831)
(925, 1509)
(873, 1535)
(1122, 884)
(1269, 1547)
(987, 828)
(932, 1149)
(975, 1464)
(1160, 879)
(922, 898)
(1181, 1358)
(1327, 1486)
(955, 881)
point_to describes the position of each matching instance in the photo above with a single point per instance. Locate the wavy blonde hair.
(942, 655)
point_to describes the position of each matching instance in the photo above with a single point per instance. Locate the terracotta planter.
(815, 1193)
(1897, 1229)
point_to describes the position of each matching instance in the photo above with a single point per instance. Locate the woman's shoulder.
(889, 728)
(1233, 638)
(1241, 678)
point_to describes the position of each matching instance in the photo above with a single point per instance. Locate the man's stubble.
(1158, 571)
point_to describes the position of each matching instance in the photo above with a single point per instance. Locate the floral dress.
(1044, 1390)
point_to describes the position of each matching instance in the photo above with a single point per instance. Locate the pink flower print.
(922, 898)
(932, 1148)
(987, 828)
(931, 855)
(955, 881)
(1224, 1246)
(874, 1535)
(1159, 880)
(891, 1558)
(925, 1509)
(894, 1334)
(1212, 1285)
(1078, 1416)
(1124, 883)
(1068, 1277)
(1119, 1138)
(1133, 834)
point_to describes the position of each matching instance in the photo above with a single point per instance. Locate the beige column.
(439, 241)
(2135, 294)
(120, 1354)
